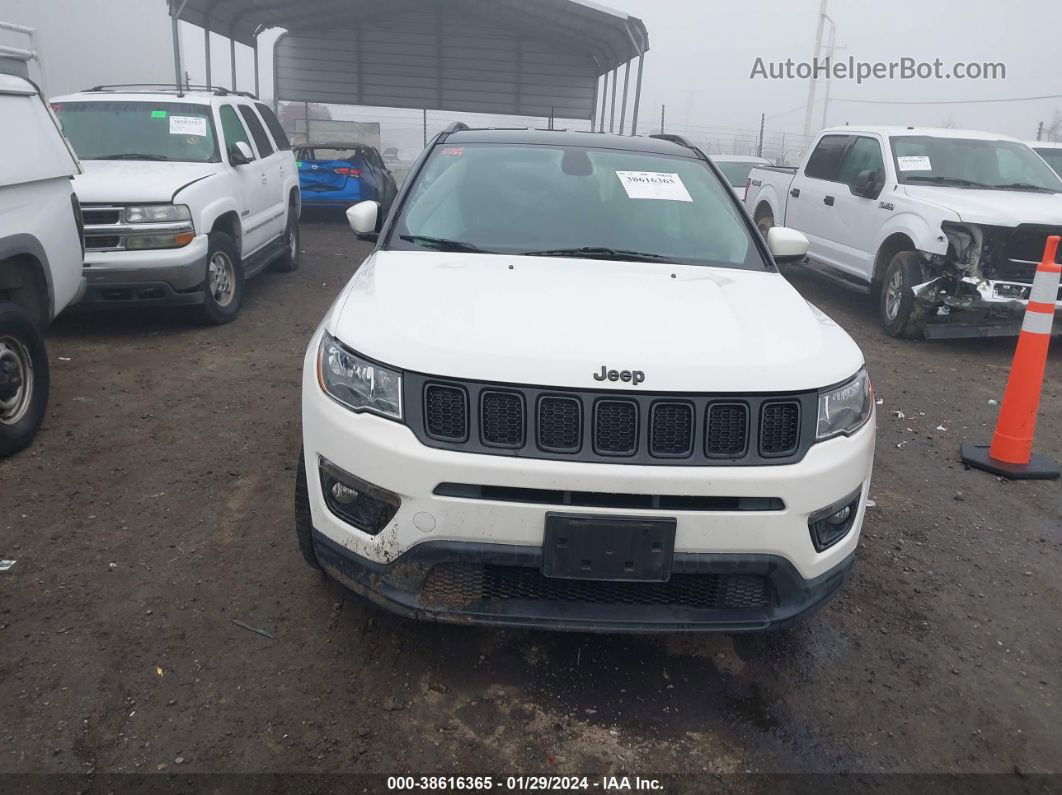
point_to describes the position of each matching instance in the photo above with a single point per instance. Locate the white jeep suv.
(185, 195)
(570, 389)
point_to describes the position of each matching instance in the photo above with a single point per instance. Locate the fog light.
(357, 502)
(832, 523)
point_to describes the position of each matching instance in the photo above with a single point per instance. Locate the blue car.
(339, 175)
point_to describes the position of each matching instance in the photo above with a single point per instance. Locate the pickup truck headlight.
(357, 383)
(157, 213)
(845, 408)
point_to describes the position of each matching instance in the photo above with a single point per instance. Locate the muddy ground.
(156, 508)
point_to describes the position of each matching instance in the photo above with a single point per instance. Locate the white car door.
(813, 196)
(272, 161)
(249, 181)
(857, 211)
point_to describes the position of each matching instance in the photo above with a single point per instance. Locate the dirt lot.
(156, 507)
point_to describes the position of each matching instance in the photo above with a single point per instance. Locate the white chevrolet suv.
(570, 389)
(185, 195)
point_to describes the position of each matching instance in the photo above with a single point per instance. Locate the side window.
(261, 140)
(274, 126)
(825, 161)
(231, 128)
(865, 155)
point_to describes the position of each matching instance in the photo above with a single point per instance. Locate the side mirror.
(866, 184)
(364, 219)
(240, 154)
(787, 245)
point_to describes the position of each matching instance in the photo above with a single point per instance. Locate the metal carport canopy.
(520, 57)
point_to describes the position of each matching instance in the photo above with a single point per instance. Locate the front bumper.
(501, 585)
(774, 544)
(150, 276)
(982, 308)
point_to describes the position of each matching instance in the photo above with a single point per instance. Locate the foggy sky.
(701, 56)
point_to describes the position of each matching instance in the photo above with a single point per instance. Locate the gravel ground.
(155, 511)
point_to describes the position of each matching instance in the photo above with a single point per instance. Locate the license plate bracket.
(585, 547)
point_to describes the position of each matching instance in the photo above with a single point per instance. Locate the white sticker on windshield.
(654, 185)
(188, 125)
(914, 163)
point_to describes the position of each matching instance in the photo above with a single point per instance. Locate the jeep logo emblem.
(630, 376)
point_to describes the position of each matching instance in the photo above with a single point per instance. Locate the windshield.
(971, 163)
(575, 201)
(737, 171)
(139, 130)
(1052, 156)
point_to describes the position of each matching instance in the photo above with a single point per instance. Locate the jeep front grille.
(614, 427)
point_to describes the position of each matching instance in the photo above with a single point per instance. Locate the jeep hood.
(133, 181)
(554, 322)
(993, 207)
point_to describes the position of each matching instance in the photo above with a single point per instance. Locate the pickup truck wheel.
(303, 523)
(764, 223)
(224, 280)
(24, 379)
(901, 315)
(288, 262)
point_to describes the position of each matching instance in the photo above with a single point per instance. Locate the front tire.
(303, 522)
(24, 379)
(224, 281)
(288, 262)
(901, 315)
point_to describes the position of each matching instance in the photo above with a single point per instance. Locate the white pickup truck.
(185, 195)
(947, 224)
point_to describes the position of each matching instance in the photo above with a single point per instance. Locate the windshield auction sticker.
(914, 163)
(654, 185)
(188, 125)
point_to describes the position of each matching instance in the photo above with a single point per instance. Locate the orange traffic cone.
(1011, 452)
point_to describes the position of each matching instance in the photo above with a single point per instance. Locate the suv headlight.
(356, 382)
(157, 213)
(843, 409)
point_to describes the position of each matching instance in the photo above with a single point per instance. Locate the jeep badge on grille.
(633, 376)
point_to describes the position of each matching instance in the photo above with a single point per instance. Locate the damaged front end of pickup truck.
(980, 286)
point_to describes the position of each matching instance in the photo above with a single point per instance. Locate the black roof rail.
(453, 127)
(681, 141)
(220, 91)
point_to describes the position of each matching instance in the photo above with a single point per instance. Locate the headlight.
(844, 408)
(157, 213)
(357, 383)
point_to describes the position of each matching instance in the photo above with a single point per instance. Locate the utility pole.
(811, 83)
(1040, 132)
(830, 48)
(662, 119)
(759, 147)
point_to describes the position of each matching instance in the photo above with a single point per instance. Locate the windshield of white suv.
(1052, 156)
(737, 171)
(580, 202)
(109, 130)
(972, 163)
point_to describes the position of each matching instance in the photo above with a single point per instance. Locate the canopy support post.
(612, 113)
(206, 53)
(175, 13)
(623, 107)
(604, 99)
(637, 95)
(232, 56)
(254, 50)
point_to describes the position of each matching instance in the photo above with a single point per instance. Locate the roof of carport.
(610, 37)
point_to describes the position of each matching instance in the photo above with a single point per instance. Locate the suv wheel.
(224, 280)
(901, 315)
(23, 379)
(289, 260)
(303, 522)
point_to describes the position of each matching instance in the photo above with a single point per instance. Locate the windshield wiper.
(442, 244)
(957, 181)
(1024, 186)
(598, 252)
(129, 156)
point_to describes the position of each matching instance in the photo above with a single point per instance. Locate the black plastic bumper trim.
(397, 586)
